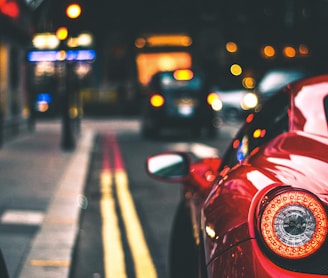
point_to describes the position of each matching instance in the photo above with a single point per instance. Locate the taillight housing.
(156, 100)
(292, 223)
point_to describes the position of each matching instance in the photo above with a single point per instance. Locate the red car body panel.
(298, 156)
(226, 198)
(233, 224)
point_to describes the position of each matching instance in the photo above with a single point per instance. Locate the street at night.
(91, 91)
(154, 202)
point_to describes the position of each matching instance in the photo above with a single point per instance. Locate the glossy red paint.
(290, 156)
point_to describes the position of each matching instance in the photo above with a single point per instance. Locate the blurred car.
(178, 99)
(261, 210)
(235, 103)
(275, 79)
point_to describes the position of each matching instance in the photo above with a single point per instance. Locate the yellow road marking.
(114, 263)
(58, 263)
(144, 266)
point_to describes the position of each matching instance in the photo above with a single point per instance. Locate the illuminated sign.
(178, 40)
(80, 55)
(150, 63)
(45, 56)
(70, 55)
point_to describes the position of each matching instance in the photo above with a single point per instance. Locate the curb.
(52, 248)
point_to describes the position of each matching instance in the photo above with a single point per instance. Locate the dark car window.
(326, 107)
(266, 124)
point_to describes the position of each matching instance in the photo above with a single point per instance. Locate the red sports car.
(262, 209)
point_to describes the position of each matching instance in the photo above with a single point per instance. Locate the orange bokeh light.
(268, 51)
(289, 52)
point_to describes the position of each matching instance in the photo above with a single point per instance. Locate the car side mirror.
(172, 166)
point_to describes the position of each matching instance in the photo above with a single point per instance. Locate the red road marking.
(106, 165)
(112, 158)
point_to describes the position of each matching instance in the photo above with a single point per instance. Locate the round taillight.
(293, 224)
(157, 100)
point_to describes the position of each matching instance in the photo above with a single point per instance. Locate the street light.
(73, 11)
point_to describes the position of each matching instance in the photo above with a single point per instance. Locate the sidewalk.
(30, 157)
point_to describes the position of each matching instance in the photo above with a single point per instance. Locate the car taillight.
(157, 100)
(293, 224)
(214, 101)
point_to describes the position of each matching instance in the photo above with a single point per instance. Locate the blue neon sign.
(80, 55)
(55, 55)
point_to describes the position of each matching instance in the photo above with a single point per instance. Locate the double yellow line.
(114, 259)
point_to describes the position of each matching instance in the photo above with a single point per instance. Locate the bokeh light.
(268, 51)
(289, 52)
(231, 47)
(236, 69)
(73, 11)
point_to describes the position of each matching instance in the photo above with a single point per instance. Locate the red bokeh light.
(9, 8)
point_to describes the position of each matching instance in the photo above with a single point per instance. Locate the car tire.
(183, 262)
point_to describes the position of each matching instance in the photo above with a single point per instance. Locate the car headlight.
(214, 101)
(293, 223)
(249, 101)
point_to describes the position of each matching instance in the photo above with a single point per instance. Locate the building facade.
(16, 30)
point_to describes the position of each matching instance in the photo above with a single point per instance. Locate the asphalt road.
(120, 148)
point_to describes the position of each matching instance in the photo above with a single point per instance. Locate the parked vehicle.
(178, 99)
(260, 210)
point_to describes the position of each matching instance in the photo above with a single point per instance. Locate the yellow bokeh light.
(157, 100)
(257, 133)
(183, 74)
(289, 52)
(73, 42)
(73, 11)
(236, 69)
(62, 33)
(172, 40)
(231, 47)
